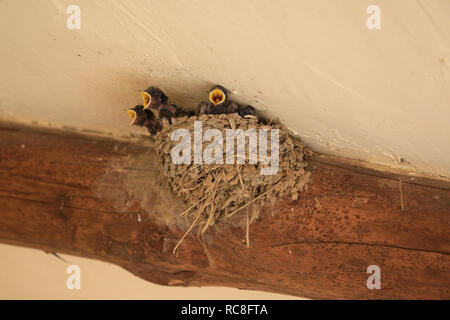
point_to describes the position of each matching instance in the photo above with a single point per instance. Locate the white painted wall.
(377, 95)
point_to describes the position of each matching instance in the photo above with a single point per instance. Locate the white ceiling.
(377, 95)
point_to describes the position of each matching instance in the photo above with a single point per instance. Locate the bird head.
(217, 95)
(136, 115)
(153, 97)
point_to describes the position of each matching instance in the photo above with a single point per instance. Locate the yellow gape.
(216, 96)
(132, 115)
(147, 98)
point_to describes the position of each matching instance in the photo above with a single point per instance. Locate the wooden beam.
(101, 198)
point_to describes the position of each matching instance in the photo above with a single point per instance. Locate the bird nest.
(216, 191)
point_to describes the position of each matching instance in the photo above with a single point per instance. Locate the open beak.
(216, 96)
(147, 98)
(133, 115)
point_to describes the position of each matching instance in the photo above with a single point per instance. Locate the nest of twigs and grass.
(217, 191)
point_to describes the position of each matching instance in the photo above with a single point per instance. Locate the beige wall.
(33, 274)
(379, 95)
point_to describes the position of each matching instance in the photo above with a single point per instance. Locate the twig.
(240, 178)
(187, 232)
(205, 248)
(245, 205)
(191, 206)
(247, 231)
(400, 186)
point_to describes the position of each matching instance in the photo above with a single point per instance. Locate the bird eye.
(147, 98)
(216, 96)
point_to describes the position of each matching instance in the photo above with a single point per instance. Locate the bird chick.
(248, 112)
(220, 104)
(144, 118)
(156, 100)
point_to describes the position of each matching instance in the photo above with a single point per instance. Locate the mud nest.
(214, 192)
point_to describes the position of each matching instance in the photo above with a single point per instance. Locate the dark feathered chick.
(137, 115)
(248, 112)
(218, 96)
(156, 100)
(144, 117)
(220, 104)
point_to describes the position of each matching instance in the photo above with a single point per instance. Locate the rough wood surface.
(99, 198)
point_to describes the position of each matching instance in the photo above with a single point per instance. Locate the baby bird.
(156, 100)
(248, 112)
(220, 104)
(144, 117)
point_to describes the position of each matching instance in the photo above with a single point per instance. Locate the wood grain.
(101, 198)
